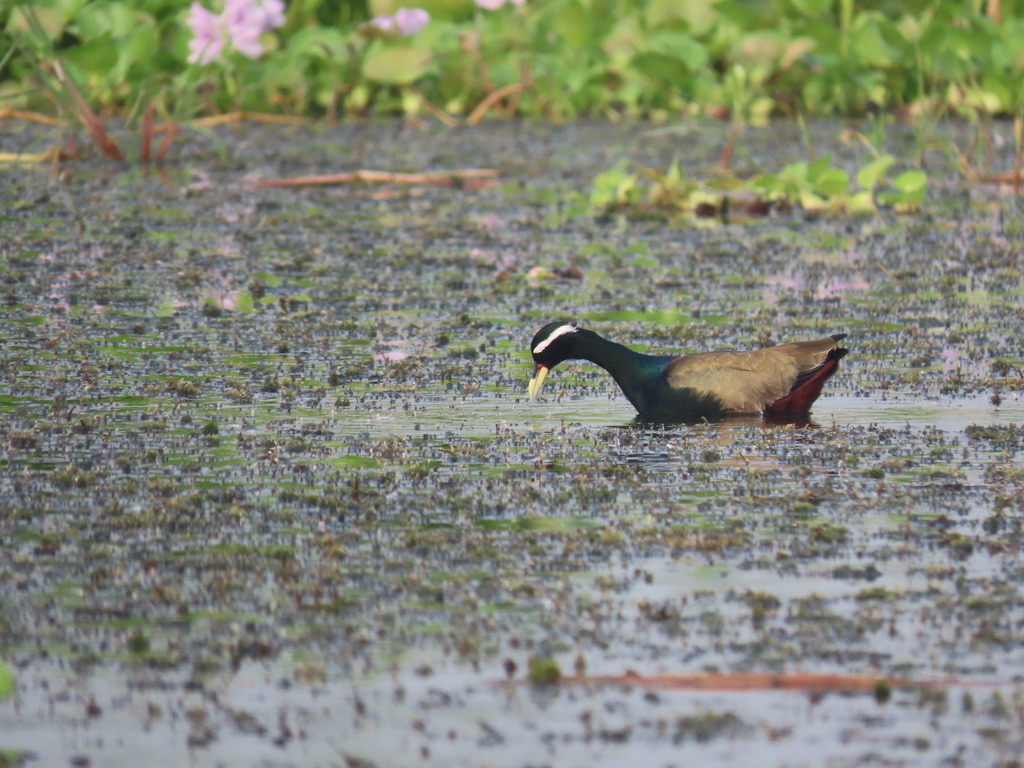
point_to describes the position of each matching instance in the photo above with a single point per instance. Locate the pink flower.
(411, 20)
(208, 35)
(493, 5)
(383, 23)
(246, 20)
(405, 22)
(242, 22)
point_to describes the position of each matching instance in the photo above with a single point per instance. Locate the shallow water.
(273, 492)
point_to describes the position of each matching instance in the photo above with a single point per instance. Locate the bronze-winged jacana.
(781, 381)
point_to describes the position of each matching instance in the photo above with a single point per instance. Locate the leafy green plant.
(731, 60)
(815, 187)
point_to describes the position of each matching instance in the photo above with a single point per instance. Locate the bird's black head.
(553, 344)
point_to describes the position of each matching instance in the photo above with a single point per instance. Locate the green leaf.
(861, 204)
(680, 47)
(243, 302)
(910, 182)
(818, 167)
(6, 681)
(166, 308)
(625, 38)
(615, 185)
(869, 45)
(832, 183)
(868, 176)
(135, 49)
(743, 15)
(96, 57)
(114, 19)
(661, 69)
(269, 279)
(395, 66)
(796, 49)
(28, 19)
(317, 43)
(813, 9)
(573, 25)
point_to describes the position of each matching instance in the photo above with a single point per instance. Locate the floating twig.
(470, 178)
(761, 681)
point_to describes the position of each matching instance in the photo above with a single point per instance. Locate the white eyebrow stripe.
(560, 331)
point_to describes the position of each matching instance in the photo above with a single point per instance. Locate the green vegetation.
(6, 681)
(552, 59)
(543, 671)
(815, 187)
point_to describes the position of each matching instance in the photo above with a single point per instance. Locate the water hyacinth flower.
(405, 22)
(207, 35)
(242, 22)
(493, 5)
(246, 20)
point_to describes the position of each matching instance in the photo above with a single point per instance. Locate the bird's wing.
(747, 382)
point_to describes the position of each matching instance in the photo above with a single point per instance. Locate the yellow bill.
(537, 381)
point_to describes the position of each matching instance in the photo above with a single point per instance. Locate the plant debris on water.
(272, 488)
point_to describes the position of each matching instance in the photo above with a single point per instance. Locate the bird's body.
(785, 379)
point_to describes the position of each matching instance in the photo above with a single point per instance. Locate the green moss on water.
(543, 670)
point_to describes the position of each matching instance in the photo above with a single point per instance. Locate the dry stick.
(526, 78)
(986, 134)
(435, 110)
(1012, 177)
(730, 143)
(146, 134)
(964, 159)
(258, 117)
(1018, 158)
(761, 681)
(471, 45)
(473, 178)
(53, 154)
(170, 129)
(489, 101)
(33, 117)
(89, 119)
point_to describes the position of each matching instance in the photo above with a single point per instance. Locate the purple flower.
(242, 22)
(405, 22)
(410, 20)
(246, 20)
(493, 5)
(208, 35)
(383, 23)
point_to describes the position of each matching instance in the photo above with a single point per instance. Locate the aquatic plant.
(241, 23)
(817, 186)
(549, 58)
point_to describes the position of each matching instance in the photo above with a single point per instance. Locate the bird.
(784, 380)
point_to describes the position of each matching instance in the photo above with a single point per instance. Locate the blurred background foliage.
(743, 60)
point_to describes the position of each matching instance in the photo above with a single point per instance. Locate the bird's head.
(552, 344)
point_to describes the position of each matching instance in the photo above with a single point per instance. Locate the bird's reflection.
(797, 421)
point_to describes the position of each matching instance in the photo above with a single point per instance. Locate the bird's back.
(747, 382)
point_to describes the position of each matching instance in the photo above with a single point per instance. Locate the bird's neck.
(634, 372)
